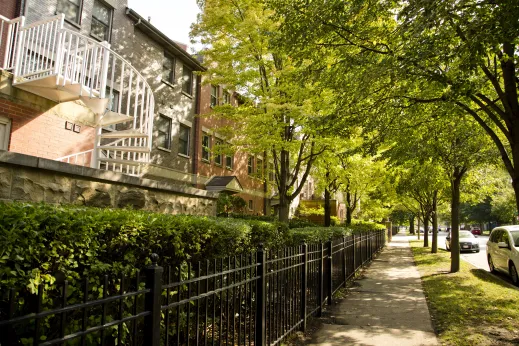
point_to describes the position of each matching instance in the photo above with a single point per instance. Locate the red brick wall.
(43, 134)
(8, 8)
(209, 169)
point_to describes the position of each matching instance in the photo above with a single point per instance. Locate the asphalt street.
(479, 260)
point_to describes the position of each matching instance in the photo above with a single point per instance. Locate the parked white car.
(503, 251)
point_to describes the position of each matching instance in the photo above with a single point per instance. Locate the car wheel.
(513, 274)
(477, 251)
(491, 264)
(447, 248)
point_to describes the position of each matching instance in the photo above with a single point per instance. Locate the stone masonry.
(33, 179)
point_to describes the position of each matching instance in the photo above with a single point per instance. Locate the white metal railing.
(81, 159)
(46, 48)
(9, 29)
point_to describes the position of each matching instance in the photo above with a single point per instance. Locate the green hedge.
(364, 226)
(37, 241)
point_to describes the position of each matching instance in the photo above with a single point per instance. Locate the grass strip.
(471, 307)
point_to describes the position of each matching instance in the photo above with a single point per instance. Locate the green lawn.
(471, 307)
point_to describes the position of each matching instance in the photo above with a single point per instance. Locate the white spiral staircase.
(62, 65)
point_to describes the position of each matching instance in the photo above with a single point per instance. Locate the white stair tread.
(125, 148)
(122, 162)
(111, 118)
(45, 82)
(97, 105)
(124, 134)
(54, 94)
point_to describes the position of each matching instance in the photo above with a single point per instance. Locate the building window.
(183, 140)
(218, 156)
(206, 147)
(5, 131)
(168, 69)
(187, 80)
(101, 21)
(250, 165)
(164, 129)
(229, 161)
(259, 168)
(214, 95)
(71, 9)
(251, 204)
(271, 171)
(226, 98)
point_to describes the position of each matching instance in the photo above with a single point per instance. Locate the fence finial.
(154, 259)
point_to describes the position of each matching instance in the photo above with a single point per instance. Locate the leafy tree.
(394, 54)
(282, 112)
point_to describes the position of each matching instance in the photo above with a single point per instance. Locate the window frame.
(214, 98)
(188, 144)
(5, 143)
(79, 11)
(250, 165)
(170, 122)
(206, 148)
(109, 24)
(218, 157)
(190, 84)
(272, 173)
(173, 61)
(226, 97)
(251, 205)
(231, 166)
(259, 167)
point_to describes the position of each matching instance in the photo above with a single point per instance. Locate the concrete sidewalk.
(387, 307)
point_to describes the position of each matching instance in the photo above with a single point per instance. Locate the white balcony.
(62, 65)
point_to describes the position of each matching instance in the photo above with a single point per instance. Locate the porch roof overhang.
(162, 39)
(219, 183)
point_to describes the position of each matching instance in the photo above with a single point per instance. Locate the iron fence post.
(330, 271)
(260, 326)
(152, 302)
(344, 269)
(320, 283)
(354, 253)
(304, 285)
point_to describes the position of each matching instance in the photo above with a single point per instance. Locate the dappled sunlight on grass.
(471, 307)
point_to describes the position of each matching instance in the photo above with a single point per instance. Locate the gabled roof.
(220, 183)
(163, 40)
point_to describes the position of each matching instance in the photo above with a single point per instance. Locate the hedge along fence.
(39, 243)
(259, 298)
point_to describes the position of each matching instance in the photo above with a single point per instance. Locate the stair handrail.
(106, 47)
(9, 49)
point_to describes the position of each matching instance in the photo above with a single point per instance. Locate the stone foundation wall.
(33, 179)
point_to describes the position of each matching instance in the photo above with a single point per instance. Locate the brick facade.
(253, 185)
(40, 131)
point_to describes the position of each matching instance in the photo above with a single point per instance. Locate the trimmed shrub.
(364, 226)
(316, 234)
(301, 223)
(39, 241)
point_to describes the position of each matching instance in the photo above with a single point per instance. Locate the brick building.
(249, 169)
(92, 83)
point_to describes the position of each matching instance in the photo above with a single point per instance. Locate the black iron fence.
(254, 299)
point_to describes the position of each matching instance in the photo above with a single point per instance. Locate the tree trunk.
(349, 209)
(411, 224)
(418, 228)
(426, 229)
(455, 221)
(434, 246)
(284, 202)
(327, 211)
